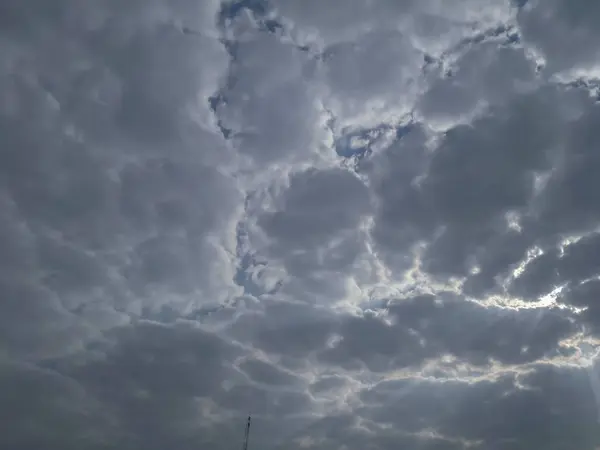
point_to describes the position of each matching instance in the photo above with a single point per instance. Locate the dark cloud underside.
(372, 226)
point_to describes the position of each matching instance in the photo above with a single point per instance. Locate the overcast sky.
(372, 224)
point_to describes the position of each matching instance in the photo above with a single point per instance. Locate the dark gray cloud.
(426, 327)
(542, 24)
(45, 408)
(369, 227)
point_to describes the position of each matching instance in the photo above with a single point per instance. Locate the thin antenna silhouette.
(246, 434)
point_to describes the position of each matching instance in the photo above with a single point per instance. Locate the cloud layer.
(373, 226)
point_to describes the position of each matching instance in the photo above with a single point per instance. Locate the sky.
(370, 224)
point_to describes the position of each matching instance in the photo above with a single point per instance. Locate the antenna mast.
(246, 435)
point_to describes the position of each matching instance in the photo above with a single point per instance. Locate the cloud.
(369, 227)
(425, 327)
(574, 21)
(43, 407)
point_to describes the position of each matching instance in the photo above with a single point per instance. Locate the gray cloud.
(573, 21)
(369, 227)
(426, 327)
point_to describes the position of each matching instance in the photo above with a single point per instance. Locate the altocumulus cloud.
(371, 224)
